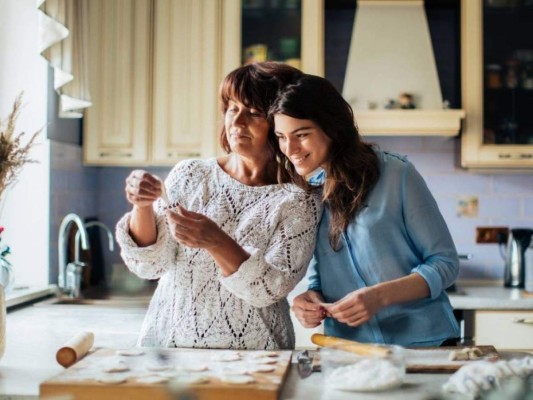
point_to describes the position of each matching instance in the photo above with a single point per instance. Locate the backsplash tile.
(504, 199)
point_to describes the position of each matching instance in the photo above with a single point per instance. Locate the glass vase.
(6, 274)
(2, 322)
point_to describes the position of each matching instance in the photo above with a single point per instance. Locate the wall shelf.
(409, 122)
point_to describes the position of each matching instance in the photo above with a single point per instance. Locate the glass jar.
(493, 76)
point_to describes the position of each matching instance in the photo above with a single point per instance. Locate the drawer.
(505, 330)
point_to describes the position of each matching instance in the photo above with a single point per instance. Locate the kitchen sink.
(105, 297)
(135, 302)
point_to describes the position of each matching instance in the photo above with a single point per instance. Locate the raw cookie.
(262, 368)
(226, 357)
(266, 360)
(157, 367)
(129, 352)
(262, 354)
(237, 371)
(237, 379)
(116, 366)
(112, 380)
(194, 368)
(153, 379)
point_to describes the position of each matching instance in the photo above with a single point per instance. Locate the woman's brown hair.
(352, 168)
(256, 86)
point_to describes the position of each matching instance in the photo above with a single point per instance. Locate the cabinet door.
(505, 330)
(497, 57)
(186, 77)
(116, 127)
(281, 30)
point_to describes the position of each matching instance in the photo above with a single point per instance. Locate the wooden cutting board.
(430, 360)
(82, 381)
(436, 359)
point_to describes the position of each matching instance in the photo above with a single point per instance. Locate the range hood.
(391, 53)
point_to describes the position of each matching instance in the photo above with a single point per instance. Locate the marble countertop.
(490, 298)
(34, 334)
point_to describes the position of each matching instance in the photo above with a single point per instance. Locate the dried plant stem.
(13, 155)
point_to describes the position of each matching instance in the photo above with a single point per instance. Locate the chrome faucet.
(88, 225)
(62, 248)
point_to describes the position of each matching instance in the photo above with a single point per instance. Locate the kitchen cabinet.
(288, 30)
(154, 78)
(505, 330)
(264, 28)
(497, 66)
(116, 126)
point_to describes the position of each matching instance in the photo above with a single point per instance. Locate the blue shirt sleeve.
(429, 233)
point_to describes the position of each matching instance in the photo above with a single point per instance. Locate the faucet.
(62, 247)
(75, 269)
(88, 225)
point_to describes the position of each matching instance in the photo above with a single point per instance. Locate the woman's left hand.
(193, 229)
(357, 307)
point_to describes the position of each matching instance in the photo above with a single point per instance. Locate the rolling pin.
(75, 349)
(350, 345)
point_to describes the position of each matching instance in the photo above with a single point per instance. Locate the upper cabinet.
(497, 84)
(318, 36)
(155, 70)
(281, 30)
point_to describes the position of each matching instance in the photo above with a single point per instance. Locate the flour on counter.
(366, 376)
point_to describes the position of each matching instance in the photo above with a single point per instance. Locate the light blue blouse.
(399, 231)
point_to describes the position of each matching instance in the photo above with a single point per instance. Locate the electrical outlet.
(492, 234)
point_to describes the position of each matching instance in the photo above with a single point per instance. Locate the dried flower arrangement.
(13, 153)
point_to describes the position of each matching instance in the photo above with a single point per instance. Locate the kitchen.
(468, 197)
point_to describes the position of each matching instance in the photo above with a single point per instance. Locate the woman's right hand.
(308, 310)
(142, 188)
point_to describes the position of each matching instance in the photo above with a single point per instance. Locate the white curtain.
(63, 42)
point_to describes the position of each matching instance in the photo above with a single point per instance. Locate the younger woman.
(384, 255)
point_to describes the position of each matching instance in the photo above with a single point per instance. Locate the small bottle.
(493, 76)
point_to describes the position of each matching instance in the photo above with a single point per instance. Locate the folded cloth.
(478, 376)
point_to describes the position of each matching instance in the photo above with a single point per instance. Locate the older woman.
(231, 243)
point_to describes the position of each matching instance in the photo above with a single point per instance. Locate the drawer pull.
(182, 154)
(527, 321)
(522, 156)
(117, 154)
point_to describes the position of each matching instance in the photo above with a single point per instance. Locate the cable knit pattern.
(194, 305)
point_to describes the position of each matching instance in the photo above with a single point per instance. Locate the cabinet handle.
(521, 156)
(180, 154)
(115, 154)
(527, 321)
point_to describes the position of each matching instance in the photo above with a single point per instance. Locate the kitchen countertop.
(34, 333)
(490, 298)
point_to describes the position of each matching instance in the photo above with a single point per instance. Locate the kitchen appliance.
(517, 243)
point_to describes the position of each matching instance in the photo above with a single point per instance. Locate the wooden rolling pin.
(350, 345)
(75, 349)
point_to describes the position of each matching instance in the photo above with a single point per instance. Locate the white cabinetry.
(154, 80)
(116, 127)
(505, 330)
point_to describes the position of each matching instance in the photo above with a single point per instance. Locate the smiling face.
(303, 142)
(246, 129)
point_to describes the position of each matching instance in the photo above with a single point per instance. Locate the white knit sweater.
(194, 305)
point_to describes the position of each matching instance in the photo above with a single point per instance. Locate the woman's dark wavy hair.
(352, 168)
(256, 86)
